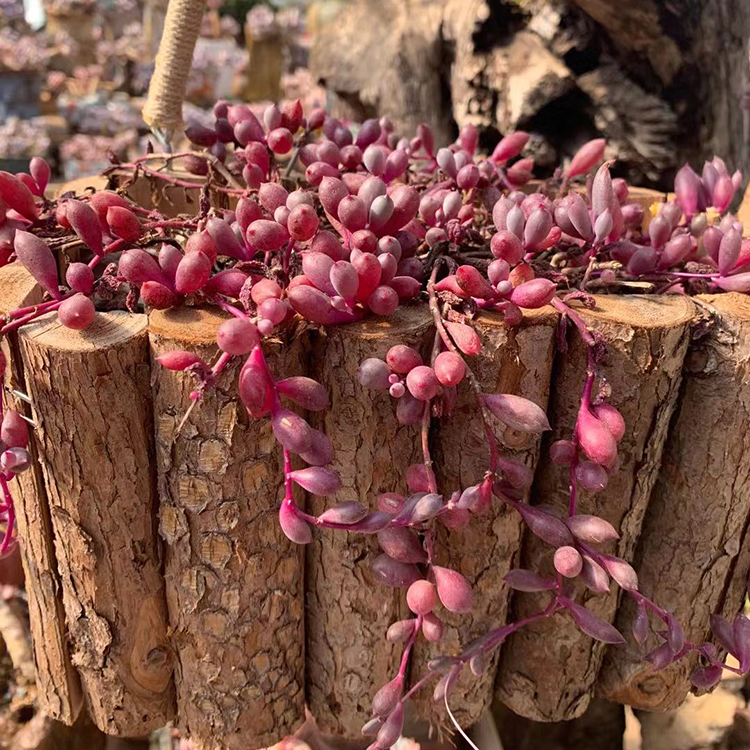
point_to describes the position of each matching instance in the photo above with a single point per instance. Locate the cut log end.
(187, 324)
(636, 684)
(732, 303)
(642, 311)
(109, 330)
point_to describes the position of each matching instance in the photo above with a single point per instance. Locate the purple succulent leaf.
(593, 626)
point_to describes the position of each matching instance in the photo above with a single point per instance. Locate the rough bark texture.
(57, 684)
(412, 75)
(690, 557)
(234, 581)
(92, 405)
(548, 670)
(512, 360)
(348, 612)
(661, 81)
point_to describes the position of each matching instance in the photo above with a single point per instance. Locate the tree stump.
(348, 611)
(265, 65)
(234, 581)
(57, 684)
(646, 75)
(512, 360)
(693, 557)
(548, 670)
(92, 406)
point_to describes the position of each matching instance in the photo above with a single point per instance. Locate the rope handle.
(163, 109)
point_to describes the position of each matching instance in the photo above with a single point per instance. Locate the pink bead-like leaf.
(592, 529)
(393, 573)
(590, 154)
(320, 480)
(517, 412)
(453, 589)
(295, 528)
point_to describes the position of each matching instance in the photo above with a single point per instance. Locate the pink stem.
(11, 511)
(29, 318)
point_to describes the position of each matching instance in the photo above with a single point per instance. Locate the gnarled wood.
(92, 406)
(512, 360)
(548, 670)
(57, 684)
(662, 81)
(234, 581)
(691, 558)
(348, 612)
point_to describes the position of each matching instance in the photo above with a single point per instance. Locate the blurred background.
(664, 81)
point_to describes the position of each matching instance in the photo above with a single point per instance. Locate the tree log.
(548, 670)
(348, 611)
(512, 360)
(661, 81)
(234, 581)
(57, 684)
(92, 406)
(691, 558)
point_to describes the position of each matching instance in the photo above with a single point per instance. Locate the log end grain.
(641, 311)
(188, 325)
(108, 330)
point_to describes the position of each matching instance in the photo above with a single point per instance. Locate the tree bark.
(548, 670)
(234, 581)
(57, 684)
(661, 81)
(408, 86)
(348, 611)
(512, 360)
(692, 557)
(92, 406)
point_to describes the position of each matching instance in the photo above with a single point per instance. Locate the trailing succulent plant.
(334, 224)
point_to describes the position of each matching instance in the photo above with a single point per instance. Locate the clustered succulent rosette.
(333, 224)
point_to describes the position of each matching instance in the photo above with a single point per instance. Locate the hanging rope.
(163, 110)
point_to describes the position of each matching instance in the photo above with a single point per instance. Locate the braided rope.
(163, 110)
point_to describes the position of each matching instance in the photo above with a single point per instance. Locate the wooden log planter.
(515, 361)
(234, 582)
(91, 402)
(347, 610)
(161, 586)
(548, 670)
